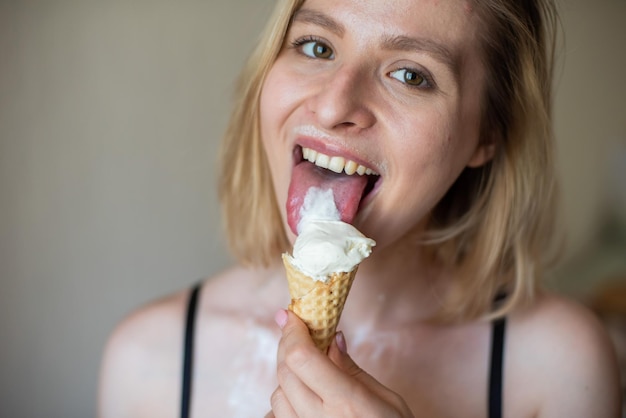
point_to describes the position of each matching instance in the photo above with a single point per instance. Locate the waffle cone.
(318, 304)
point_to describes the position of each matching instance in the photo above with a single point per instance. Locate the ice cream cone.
(317, 303)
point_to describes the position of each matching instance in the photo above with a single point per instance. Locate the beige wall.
(110, 112)
(109, 116)
(590, 109)
(590, 122)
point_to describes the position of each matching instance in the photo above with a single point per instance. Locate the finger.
(281, 408)
(314, 369)
(338, 354)
(296, 338)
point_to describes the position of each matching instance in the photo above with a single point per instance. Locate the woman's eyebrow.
(320, 19)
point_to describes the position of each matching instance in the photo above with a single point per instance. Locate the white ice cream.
(325, 244)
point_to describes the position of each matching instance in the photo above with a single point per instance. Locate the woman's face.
(391, 86)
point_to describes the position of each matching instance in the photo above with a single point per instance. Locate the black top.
(190, 321)
(498, 330)
(494, 400)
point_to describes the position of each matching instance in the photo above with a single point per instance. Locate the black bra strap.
(496, 368)
(188, 351)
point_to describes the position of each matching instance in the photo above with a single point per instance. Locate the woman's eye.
(316, 49)
(410, 77)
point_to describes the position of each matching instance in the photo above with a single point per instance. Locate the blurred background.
(110, 114)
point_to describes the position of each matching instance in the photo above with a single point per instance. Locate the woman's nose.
(344, 100)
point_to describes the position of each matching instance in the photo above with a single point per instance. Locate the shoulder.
(561, 360)
(142, 360)
(149, 332)
(142, 349)
(147, 329)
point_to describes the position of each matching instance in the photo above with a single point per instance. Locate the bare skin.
(356, 103)
(439, 371)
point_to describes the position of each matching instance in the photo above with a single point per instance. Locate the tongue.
(347, 191)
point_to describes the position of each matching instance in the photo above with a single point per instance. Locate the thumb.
(338, 354)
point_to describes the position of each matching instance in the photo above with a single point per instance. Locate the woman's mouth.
(349, 180)
(335, 163)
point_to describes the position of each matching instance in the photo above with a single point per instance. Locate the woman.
(447, 105)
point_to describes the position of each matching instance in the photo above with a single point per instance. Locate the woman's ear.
(483, 153)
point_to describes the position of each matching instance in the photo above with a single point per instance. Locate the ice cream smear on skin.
(325, 244)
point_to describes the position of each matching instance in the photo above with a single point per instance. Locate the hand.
(314, 385)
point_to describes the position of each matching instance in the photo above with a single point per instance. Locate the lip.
(326, 144)
(322, 142)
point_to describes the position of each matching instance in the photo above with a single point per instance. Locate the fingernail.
(341, 342)
(281, 318)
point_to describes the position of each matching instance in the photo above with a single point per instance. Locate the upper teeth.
(336, 164)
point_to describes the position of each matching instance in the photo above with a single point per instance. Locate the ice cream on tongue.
(347, 191)
(325, 244)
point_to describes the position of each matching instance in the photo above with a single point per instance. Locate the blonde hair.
(494, 225)
(251, 215)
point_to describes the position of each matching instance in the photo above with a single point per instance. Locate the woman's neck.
(397, 285)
